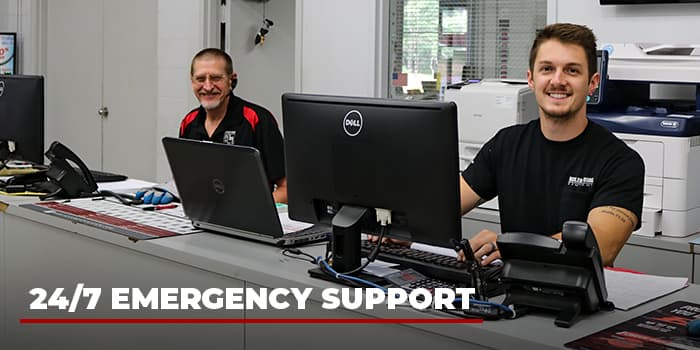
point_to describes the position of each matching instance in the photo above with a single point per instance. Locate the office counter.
(661, 255)
(43, 251)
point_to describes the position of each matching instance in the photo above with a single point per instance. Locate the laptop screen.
(223, 187)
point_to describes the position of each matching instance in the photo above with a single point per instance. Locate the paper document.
(289, 225)
(379, 268)
(434, 249)
(446, 251)
(627, 290)
(124, 186)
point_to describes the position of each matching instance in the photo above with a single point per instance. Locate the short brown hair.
(568, 33)
(213, 52)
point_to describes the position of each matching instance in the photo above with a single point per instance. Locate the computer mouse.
(693, 328)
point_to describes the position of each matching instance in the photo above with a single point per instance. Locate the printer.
(485, 107)
(650, 99)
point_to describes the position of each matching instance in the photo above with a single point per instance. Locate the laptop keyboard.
(313, 234)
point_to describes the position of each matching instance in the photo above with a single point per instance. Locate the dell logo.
(2, 87)
(218, 186)
(352, 123)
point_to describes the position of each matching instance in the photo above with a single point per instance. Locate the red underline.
(247, 321)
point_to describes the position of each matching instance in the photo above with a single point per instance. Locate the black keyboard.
(313, 234)
(442, 267)
(103, 176)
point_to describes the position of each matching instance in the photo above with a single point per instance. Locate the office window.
(434, 43)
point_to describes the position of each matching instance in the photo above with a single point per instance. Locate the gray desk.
(660, 255)
(43, 251)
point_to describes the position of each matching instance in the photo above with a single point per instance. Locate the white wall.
(338, 50)
(668, 23)
(180, 35)
(264, 71)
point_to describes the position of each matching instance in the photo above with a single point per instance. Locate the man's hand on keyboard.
(484, 246)
(375, 239)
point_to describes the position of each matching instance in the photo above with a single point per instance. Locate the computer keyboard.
(442, 267)
(103, 176)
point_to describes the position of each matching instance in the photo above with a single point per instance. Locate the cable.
(124, 198)
(372, 255)
(490, 303)
(326, 267)
(291, 252)
(501, 307)
(384, 219)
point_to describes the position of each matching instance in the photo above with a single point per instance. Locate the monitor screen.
(350, 152)
(22, 115)
(602, 63)
(8, 48)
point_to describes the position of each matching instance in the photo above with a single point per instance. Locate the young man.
(562, 166)
(225, 118)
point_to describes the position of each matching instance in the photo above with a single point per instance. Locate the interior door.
(130, 87)
(104, 54)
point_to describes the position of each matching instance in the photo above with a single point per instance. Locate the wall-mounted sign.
(8, 48)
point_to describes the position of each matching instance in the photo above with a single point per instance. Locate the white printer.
(671, 187)
(667, 139)
(485, 107)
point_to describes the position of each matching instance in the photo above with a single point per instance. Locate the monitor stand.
(347, 234)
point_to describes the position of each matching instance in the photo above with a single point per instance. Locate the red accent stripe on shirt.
(250, 116)
(187, 121)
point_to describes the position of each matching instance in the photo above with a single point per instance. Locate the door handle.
(103, 112)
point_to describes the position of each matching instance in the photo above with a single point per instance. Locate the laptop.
(224, 188)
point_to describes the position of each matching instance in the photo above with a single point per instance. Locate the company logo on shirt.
(580, 182)
(230, 137)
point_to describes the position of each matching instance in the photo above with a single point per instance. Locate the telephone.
(72, 183)
(5, 151)
(543, 273)
(59, 179)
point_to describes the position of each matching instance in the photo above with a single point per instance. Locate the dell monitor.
(597, 97)
(347, 156)
(22, 116)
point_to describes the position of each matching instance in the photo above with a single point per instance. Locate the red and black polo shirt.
(245, 124)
